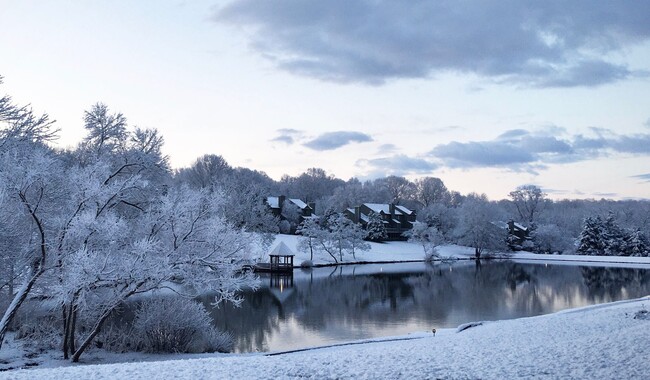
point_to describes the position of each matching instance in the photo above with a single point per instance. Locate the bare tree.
(430, 190)
(528, 200)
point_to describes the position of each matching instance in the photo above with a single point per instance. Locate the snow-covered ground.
(395, 251)
(596, 342)
(603, 341)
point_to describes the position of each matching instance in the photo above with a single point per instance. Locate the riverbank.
(602, 341)
(402, 251)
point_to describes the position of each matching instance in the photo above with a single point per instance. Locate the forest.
(85, 229)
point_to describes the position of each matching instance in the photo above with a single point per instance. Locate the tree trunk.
(18, 300)
(73, 327)
(93, 333)
(12, 273)
(65, 332)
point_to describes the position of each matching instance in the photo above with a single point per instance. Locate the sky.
(486, 95)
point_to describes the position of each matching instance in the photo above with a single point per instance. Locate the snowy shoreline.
(599, 341)
(405, 252)
(448, 354)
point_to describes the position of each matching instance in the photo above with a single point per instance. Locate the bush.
(40, 329)
(176, 324)
(307, 264)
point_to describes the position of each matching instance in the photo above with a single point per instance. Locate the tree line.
(90, 227)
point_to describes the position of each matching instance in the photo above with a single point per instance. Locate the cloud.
(519, 149)
(387, 148)
(643, 177)
(397, 165)
(335, 140)
(647, 123)
(541, 44)
(287, 135)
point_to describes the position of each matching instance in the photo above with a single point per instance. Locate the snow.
(521, 227)
(382, 207)
(601, 341)
(282, 249)
(273, 202)
(396, 251)
(298, 203)
(595, 342)
(403, 209)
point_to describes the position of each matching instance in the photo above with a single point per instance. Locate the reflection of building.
(396, 219)
(281, 286)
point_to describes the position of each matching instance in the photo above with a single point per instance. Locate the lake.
(336, 304)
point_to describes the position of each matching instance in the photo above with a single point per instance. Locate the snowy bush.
(548, 238)
(307, 264)
(177, 324)
(39, 331)
(285, 227)
(217, 341)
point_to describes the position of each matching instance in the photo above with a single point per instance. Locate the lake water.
(336, 304)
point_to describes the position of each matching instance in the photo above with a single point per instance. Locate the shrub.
(177, 324)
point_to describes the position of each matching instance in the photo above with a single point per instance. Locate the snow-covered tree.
(311, 235)
(637, 244)
(477, 226)
(427, 236)
(547, 238)
(375, 228)
(591, 238)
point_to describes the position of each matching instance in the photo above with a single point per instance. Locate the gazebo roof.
(281, 249)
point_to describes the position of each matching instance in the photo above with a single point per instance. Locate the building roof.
(403, 209)
(298, 202)
(274, 202)
(381, 207)
(282, 250)
(385, 208)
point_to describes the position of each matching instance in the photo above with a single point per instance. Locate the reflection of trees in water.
(443, 296)
(257, 317)
(606, 284)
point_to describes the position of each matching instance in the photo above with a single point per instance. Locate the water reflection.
(337, 304)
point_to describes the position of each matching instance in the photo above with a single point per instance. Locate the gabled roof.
(299, 203)
(403, 209)
(274, 202)
(381, 207)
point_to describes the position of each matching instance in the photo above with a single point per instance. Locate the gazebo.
(280, 260)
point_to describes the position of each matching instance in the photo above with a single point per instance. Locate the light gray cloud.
(643, 177)
(335, 140)
(398, 165)
(387, 148)
(519, 149)
(287, 136)
(550, 43)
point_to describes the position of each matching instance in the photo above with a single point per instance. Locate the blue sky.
(486, 95)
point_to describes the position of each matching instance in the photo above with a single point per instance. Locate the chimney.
(391, 209)
(357, 214)
(281, 199)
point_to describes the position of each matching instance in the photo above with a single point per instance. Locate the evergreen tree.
(614, 238)
(375, 227)
(591, 237)
(637, 244)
